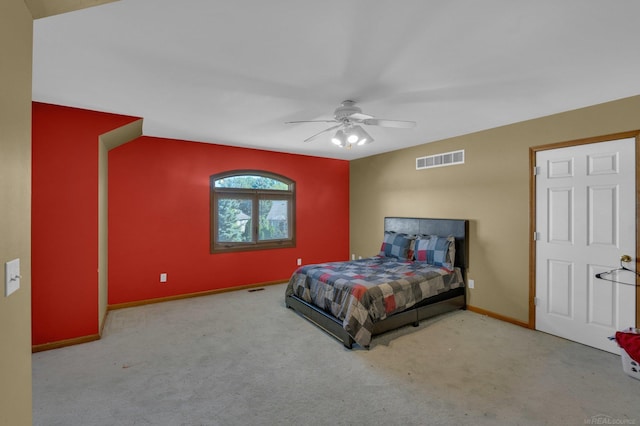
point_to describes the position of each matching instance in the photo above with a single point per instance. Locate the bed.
(419, 273)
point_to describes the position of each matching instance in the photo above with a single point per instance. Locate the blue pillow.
(396, 245)
(437, 251)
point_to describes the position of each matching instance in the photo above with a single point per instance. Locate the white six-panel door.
(585, 221)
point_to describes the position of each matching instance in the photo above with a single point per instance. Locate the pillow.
(437, 251)
(396, 245)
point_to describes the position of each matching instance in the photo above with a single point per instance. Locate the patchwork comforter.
(364, 291)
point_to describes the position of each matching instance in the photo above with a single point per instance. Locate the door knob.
(625, 258)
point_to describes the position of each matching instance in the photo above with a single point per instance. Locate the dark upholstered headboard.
(458, 228)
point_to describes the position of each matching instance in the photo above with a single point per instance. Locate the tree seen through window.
(252, 210)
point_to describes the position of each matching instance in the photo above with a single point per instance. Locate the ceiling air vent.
(440, 160)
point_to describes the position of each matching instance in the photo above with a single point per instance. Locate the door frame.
(532, 211)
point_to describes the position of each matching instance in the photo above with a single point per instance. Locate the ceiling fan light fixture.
(351, 135)
(339, 139)
(361, 136)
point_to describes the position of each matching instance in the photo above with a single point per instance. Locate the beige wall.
(107, 142)
(491, 190)
(44, 8)
(16, 29)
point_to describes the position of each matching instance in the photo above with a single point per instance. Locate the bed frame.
(444, 302)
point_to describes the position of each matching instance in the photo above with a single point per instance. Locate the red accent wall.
(159, 217)
(65, 220)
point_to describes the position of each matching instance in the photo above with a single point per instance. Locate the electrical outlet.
(472, 284)
(163, 278)
(299, 261)
(353, 257)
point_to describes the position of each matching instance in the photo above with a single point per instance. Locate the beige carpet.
(242, 358)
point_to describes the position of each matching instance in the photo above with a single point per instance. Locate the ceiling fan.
(349, 117)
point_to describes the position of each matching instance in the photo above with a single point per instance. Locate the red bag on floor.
(630, 342)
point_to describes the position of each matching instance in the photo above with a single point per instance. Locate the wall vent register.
(440, 160)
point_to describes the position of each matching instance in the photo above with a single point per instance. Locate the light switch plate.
(11, 277)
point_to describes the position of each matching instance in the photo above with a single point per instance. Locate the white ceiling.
(232, 72)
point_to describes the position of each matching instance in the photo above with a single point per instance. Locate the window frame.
(255, 195)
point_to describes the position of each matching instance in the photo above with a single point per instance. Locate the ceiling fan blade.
(389, 123)
(309, 139)
(360, 116)
(310, 121)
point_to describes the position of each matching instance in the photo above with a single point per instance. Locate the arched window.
(252, 210)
